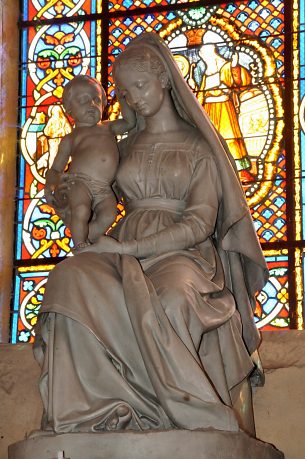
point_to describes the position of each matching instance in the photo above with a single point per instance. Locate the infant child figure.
(94, 153)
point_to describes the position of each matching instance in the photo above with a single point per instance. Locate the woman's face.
(142, 90)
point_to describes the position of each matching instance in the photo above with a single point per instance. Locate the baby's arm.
(54, 173)
(125, 124)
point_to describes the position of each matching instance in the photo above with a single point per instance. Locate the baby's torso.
(94, 153)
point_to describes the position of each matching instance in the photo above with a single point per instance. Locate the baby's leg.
(105, 214)
(80, 205)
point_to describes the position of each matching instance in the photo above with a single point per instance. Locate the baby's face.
(86, 104)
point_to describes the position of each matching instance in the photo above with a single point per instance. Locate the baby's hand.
(125, 124)
(128, 113)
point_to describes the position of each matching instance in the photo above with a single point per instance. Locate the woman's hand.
(56, 189)
(105, 244)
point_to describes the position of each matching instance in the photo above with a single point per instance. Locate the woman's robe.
(158, 334)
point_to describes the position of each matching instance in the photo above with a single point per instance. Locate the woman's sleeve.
(198, 219)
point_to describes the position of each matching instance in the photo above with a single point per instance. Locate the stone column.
(9, 55)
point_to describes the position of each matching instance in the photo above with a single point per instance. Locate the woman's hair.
(143, 59)
(87, 79)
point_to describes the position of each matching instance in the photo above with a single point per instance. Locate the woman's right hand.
(56, 189)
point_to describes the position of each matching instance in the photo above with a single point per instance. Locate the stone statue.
(151, 327)
(93, 149)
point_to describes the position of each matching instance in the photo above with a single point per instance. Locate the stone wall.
(279, 406)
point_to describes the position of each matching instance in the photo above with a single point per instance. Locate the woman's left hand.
(105, 244)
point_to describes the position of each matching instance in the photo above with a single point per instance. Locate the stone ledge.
(282, 349)
(178, 444)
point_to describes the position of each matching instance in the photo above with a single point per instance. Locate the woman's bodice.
(162, 170)
(163, 173)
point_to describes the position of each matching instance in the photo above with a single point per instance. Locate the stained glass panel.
(122, 5)
(232, 56)
(272, 305)
(52, 55)
(213, 53)
(299, 281)
(301, 99)
(29, 289)
(35, 10)
(297, 179)
(123, 30)
(270, 215)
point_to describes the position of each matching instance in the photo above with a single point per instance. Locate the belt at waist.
(172, 205)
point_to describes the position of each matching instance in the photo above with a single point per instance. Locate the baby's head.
(84, 99)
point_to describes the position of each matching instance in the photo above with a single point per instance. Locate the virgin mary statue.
(151, 327)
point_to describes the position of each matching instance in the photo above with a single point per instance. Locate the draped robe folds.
(167, 333)
(160, 336)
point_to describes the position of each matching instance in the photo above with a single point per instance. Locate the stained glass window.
(245, 69)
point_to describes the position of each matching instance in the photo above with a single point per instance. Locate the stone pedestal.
(172, 444)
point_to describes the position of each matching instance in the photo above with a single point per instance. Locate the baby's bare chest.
(95, 155)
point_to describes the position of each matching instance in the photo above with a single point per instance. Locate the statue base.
(178, 444)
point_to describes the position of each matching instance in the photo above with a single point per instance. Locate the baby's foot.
(119, 419)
